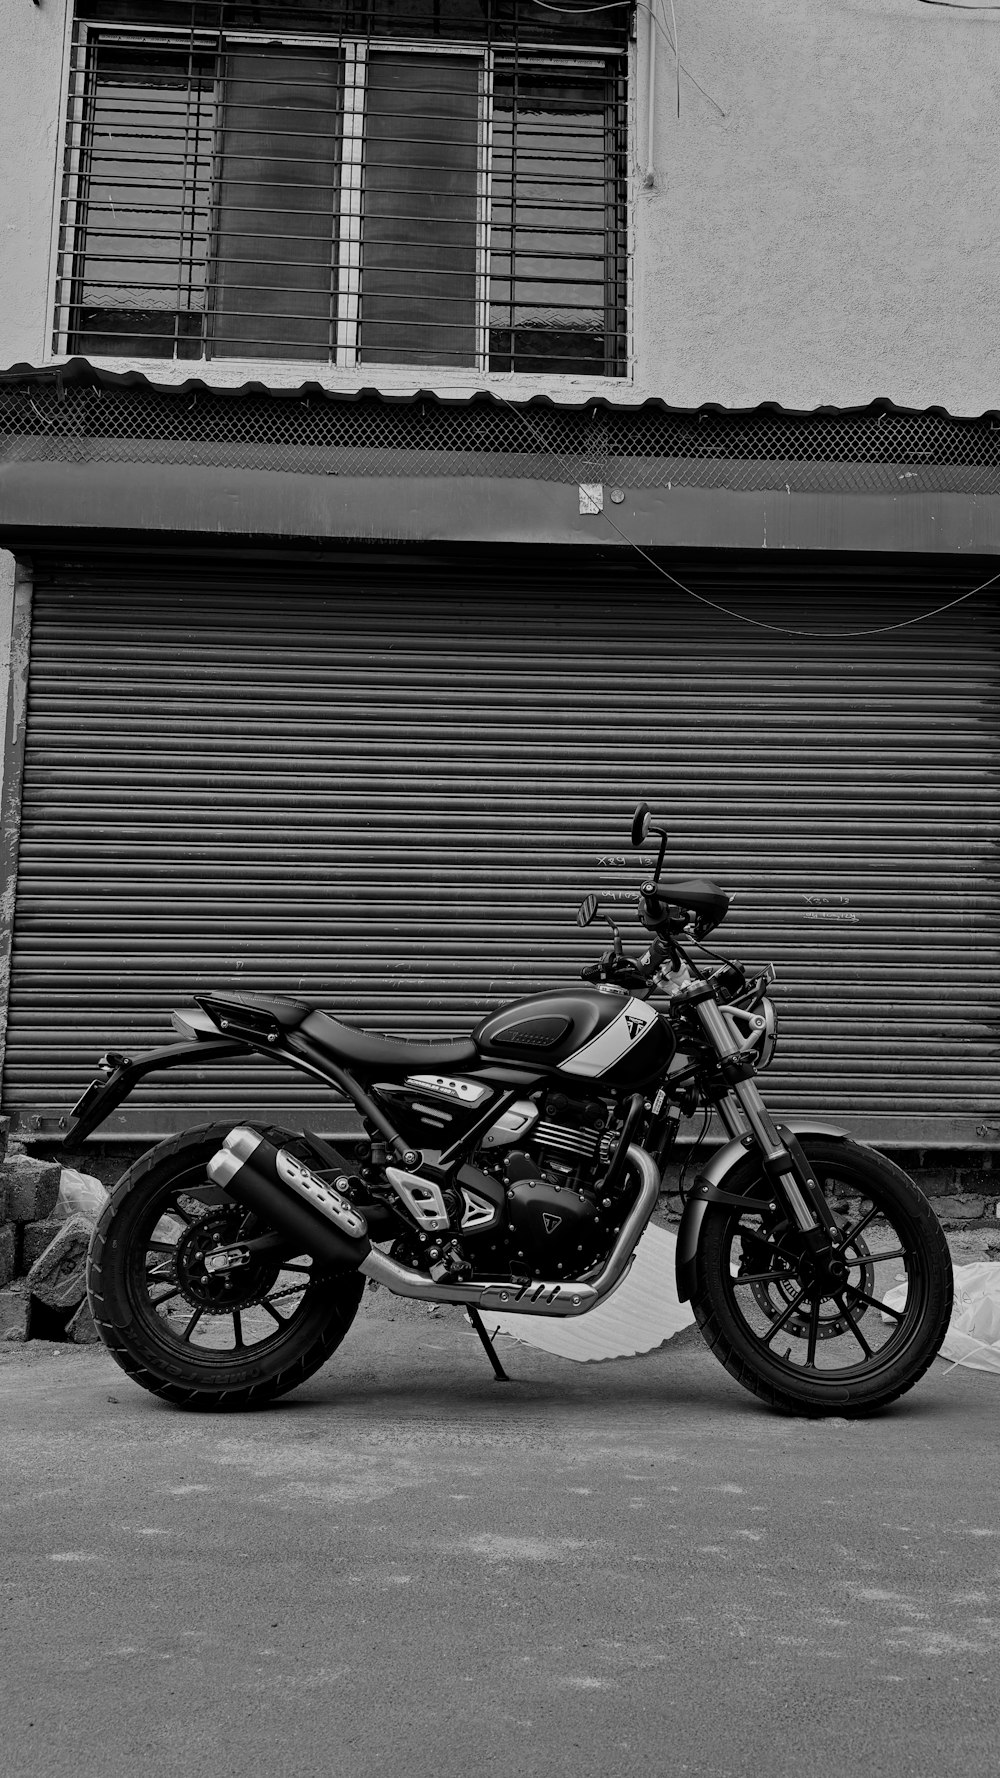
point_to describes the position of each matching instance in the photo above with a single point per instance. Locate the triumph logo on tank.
(551, 1222)
(603, 1051)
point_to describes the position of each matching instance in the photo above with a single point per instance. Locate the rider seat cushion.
(370, 1050)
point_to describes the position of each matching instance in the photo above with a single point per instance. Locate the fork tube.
(776, 1158)
(731, 1115)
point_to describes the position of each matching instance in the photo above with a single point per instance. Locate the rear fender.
(103, 1096)
(713, 1176)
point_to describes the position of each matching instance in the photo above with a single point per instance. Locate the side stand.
(499, 1374)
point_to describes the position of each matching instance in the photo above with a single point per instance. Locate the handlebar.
(627, 972)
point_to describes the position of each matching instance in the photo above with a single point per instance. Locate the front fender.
(714, 1175)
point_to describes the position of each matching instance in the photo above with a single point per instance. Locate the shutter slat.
(385, 784)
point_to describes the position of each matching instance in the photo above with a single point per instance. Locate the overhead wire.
(727, 611)
(650, 11)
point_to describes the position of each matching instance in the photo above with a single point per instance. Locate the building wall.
(833, 238)
(31, 129)
(820, 229)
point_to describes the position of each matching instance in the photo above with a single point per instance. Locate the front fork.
(745, 1116)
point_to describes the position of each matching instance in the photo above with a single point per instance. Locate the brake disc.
(774, 1297)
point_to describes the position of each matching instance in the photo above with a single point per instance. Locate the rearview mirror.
(587, 911)
(640, 824)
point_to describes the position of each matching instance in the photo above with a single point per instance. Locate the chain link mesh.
(369, 435)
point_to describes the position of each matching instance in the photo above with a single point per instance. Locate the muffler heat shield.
(313, 1215)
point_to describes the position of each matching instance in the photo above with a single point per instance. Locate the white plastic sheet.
(973, 1336)
(645, 1311)
(80, 1194)
(642, 1313)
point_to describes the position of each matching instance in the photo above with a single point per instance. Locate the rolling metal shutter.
(385, 782)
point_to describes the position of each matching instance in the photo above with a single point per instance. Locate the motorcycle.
(514, 1171)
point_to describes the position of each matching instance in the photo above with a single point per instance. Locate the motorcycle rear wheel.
(198, 1339)
(804, 1345)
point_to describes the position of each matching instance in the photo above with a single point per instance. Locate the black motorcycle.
(514, 1171)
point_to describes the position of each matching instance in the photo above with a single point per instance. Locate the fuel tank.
(601, 1035)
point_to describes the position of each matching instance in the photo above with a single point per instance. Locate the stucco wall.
(33, 43)
(829, 239)
(834, 237)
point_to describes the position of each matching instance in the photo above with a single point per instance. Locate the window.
(346, 200)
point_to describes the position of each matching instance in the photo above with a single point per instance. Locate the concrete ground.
(406, 1568)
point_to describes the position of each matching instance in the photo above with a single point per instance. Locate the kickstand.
(499, 1374)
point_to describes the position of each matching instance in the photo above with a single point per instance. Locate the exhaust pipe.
(315, 1216)
(277, 1187)
(552, 1297)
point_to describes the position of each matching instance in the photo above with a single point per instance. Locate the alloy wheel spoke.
(813, 1333)
(282, 1320)
(155, 1301)
(855, 1329)
(779, 1324)
(852, 1234)
(237, 1329)
(874, 1303)
(763, 1277)
(872, 1259)
(192, 1324)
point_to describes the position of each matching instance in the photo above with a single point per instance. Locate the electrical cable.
(650, 10)
(692, 1153)
(677, 52)
(725, 610)
(783, 629)
(609, 6)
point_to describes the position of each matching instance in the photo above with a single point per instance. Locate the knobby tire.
(135, 1336)
(913, 1342)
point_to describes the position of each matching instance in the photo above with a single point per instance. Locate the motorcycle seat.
(256, 1014)
(370, 1050)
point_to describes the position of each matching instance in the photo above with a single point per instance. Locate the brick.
(32, 1188)
(35, 1237)
(80, 1326)
(964, 1208)
(8, 1252)
(58, 1277)
(15, 1308)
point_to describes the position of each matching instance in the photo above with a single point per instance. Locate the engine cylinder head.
(579, 1143)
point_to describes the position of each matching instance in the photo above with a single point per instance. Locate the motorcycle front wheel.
(198, 1337)
(809, 1343)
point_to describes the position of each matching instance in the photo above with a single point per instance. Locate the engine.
(555, 1219)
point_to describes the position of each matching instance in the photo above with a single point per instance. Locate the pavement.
(406, 1568)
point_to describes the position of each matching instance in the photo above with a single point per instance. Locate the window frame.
(70, 244)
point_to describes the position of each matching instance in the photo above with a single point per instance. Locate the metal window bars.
(342, 198)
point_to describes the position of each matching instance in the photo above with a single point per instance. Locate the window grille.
(337, 186)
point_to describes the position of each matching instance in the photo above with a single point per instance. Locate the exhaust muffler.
(288, 1195)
